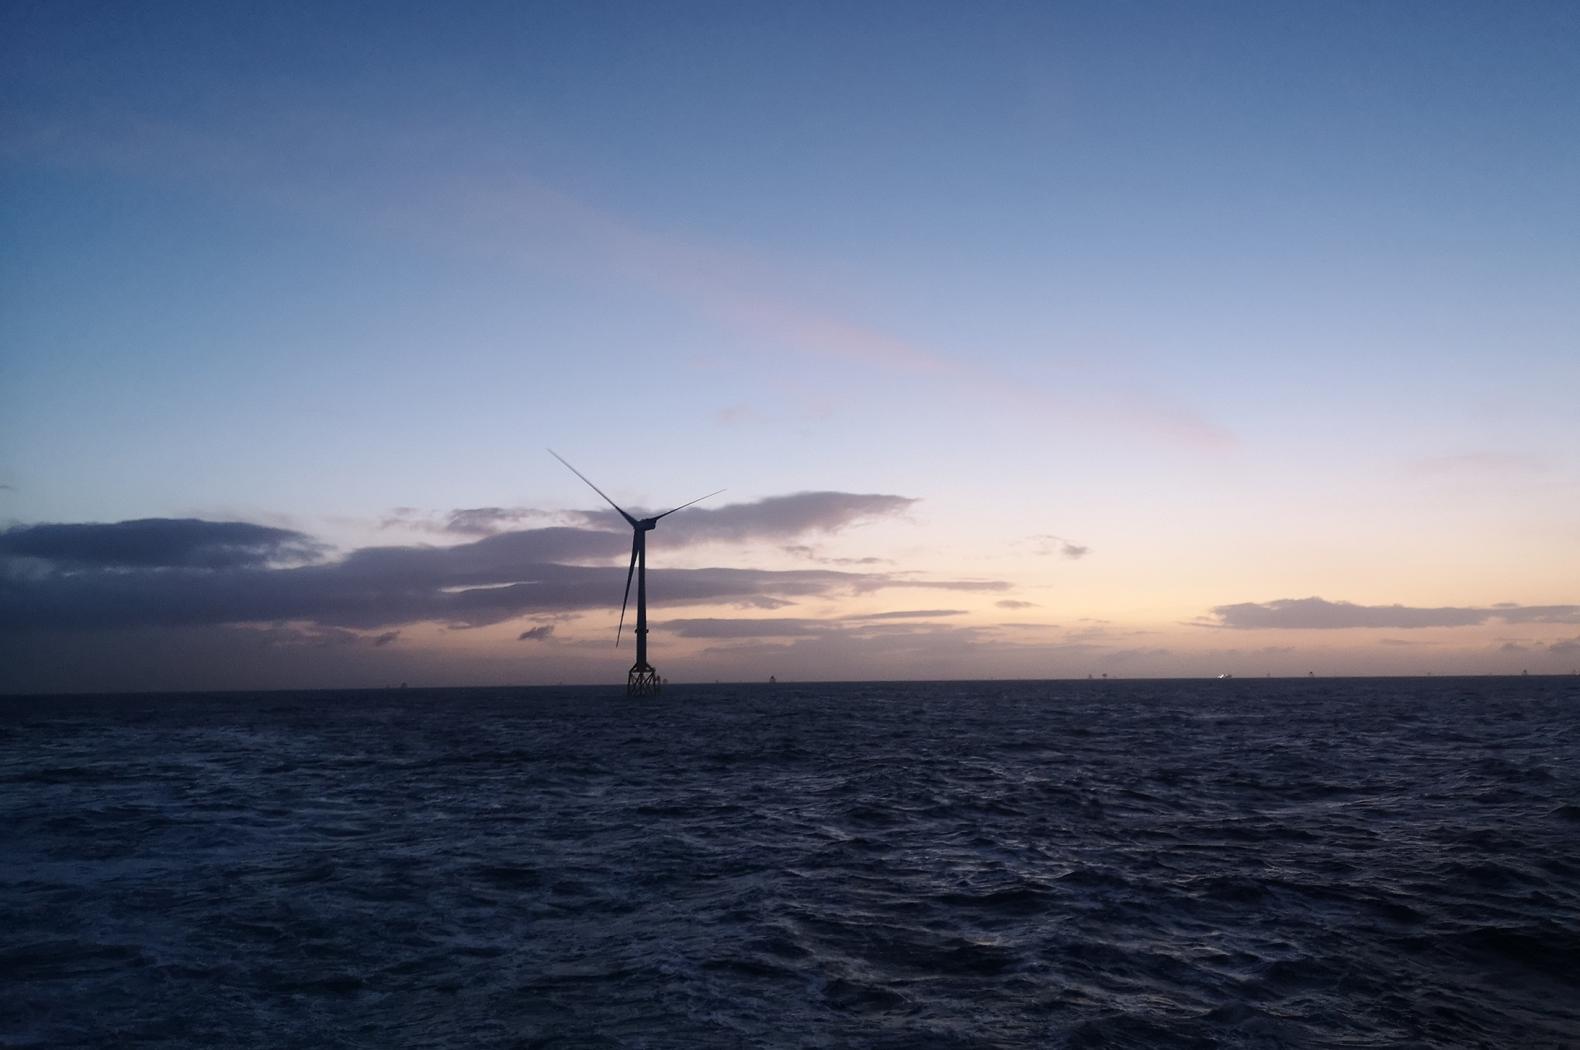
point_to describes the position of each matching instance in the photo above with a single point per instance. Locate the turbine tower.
(642, 680)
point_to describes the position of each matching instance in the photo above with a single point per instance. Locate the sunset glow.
(1028, 340)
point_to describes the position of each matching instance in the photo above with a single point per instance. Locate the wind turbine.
(642, 680)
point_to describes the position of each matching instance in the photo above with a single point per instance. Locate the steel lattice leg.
(642, 681)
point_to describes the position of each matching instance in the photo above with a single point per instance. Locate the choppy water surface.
(1239, 864)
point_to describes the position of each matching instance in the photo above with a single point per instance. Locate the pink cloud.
(282, 160)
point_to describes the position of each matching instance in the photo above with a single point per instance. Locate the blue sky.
(1256, 301)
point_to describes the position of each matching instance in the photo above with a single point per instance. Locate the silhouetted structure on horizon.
(641, 680)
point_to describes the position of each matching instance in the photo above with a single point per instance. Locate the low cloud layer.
(1320, 614)
(157, 543)
(182, 572)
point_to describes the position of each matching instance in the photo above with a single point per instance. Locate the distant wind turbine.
(642, 680)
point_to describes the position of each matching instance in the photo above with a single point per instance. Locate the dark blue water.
(1130, 864)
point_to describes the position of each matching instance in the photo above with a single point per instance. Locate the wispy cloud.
(906, 614)
(536, 634)
(753, 627)
(771, 518)
(820, 649)
(485, 521)
(780, 627)
(464, 521)
(304, 636)
(810, 553)
(1565, 647)
(1537, 613)
(774, 517)
(1137, 653)
(490, 206)
(1048, 544)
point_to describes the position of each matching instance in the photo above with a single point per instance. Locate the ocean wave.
(1256, 864)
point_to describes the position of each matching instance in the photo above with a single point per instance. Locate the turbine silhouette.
(642, 680)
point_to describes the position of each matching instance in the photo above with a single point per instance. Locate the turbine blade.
(635, 538)
(595, 488)
(683, 506)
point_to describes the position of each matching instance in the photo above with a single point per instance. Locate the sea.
(1225, 863)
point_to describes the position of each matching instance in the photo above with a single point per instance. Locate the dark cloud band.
(182, 572)
(153, 543)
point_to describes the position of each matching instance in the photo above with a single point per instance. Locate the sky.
(1027, 339)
